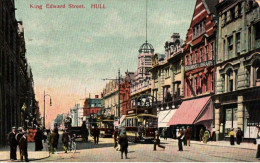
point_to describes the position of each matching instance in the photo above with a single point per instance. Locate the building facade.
(238, 73)
(167, 79)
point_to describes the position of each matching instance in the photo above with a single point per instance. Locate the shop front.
(194, 113)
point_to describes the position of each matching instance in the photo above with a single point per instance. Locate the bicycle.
(72, 146)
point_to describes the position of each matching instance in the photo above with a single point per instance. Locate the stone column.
(251, 76)
(240, 111)
(217, 117)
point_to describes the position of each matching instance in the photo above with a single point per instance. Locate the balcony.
(198, 65)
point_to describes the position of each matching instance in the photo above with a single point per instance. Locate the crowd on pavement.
(19, 138)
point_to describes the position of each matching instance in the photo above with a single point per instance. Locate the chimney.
(96, 96)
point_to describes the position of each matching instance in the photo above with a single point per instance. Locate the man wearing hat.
(13, 144)
(23, 144)
(123, 141)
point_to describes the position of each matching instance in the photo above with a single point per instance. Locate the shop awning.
(122, 120)
(161, 115)
(166, 120)
(192, 112)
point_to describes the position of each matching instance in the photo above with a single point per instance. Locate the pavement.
(32, 154)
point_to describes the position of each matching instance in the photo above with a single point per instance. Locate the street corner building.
(18, 106)
(237, 68)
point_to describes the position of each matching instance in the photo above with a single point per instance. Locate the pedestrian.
(53, 141)
(56, 130)
(23, 144)
(13, 144)
(38, 140)
(115, 137)
(187, 136)
(206, 136)
(232, 137)
(239, 135)
(201, 134)
(184, 139)
(65, 140)
(140, 131)
(258, 142)
(96, 133)
(180, 137)
(157, 141)
(18, 137)
(123, 141)
(165, 134)
(84, 132)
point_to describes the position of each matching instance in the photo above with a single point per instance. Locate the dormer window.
(198, 30)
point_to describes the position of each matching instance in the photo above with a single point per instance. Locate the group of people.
(239, 136)
(206, 135)
(18, 139)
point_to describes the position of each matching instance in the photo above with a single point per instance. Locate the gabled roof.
(210, 5)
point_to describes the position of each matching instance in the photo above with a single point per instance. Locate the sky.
(70, 51)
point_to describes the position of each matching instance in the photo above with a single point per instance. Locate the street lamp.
(44, 108)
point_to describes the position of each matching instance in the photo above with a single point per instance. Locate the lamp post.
(44, 107)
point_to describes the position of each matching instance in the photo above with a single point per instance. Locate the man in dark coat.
(38, 140)
(12, 144)
(239, 135)
(115, 137)
(23, 144)
(56, 138)
(96, 133)
(53, 142)
(165, 134)
(188, 135)
(123, 141)
(65, 140)
(84, 132)
(180, 137)
(18, 137)
(157, 141)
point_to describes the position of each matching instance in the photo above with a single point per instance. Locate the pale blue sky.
(70, 49)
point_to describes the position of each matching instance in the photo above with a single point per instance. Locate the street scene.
(135, 81)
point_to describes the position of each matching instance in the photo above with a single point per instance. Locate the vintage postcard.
(130, 80)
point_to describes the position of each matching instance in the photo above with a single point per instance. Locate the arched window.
(230, 80)
(256, 73)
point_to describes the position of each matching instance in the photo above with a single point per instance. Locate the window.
(224, 48)
(191, 61)
(230, 46)
(238, 43)
(238, 11)
(212, 50)
(201, 59)
(212, 81)
(187, 60)
(224, 19)
(206, 53)
(249, 38)
(195, 85)
(200, 86)
(230, 80)
(206, 83)
(196, 55)
(257, 35)
(198, 29)
(232, 14)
